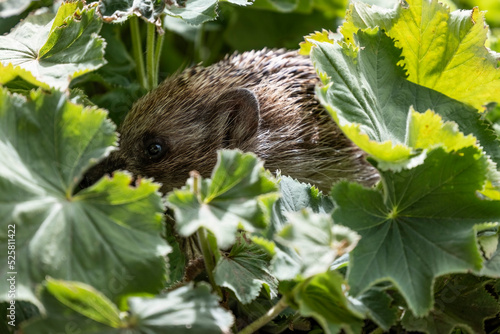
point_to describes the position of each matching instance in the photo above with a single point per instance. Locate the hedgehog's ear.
(241, 107)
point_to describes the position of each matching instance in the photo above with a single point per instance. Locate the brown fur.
(198, 112)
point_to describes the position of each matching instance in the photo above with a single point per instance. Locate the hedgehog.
(257, 101)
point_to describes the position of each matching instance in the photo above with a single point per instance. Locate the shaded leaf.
(376, 304)
(322, 297)
(418, 226)
(460, 301)
(244, 271)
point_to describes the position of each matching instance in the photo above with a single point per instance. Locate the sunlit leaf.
(51, 47)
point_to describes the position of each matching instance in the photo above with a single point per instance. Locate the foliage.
(413, 85)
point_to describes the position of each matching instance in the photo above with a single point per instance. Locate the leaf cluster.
(245, 250)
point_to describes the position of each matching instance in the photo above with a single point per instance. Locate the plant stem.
(198, 44)
(208, 258)
(158, 50)
(150, 54)
(270, 315)
(137, 51)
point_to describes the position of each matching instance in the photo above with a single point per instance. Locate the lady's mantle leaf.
(70, 305)
(195, 11)
(427, 131)
(17, 79)
(84, 299)
(238, 195)
(316, 242)
(371, 99)
(119, 11)
(323, 298)
(420, 225)
(442, 50)
(55, 50)
(460, 301)
(46, 143)
(377, 305)
(296, 196)
(185, 310)
(13, 7)
(192, 11)
(245, 270)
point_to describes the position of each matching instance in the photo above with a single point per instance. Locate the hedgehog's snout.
(105, 167)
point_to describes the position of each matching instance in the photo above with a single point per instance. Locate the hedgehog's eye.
(154, 149)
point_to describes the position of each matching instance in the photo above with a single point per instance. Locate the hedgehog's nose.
(86, 182)
(104, 167)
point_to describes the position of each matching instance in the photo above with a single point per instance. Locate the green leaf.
(194, 11)
(46, 144)
(460, 301)
(427, 131)
(120, 11)
(244, 271)
(441, 50)
(17, 79)
(322, 297)
(419, 225)
(59, 317)
(51, 48)
(284, 6)
(296, 196)
(489, 242)
(376, 304)
(316, 241)
(85, 300)
(371, 99)
(237, 196)
(492, 8)
(452, 48)
(185, 310)
(275, 29)
(241, 2)
(13, 7)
